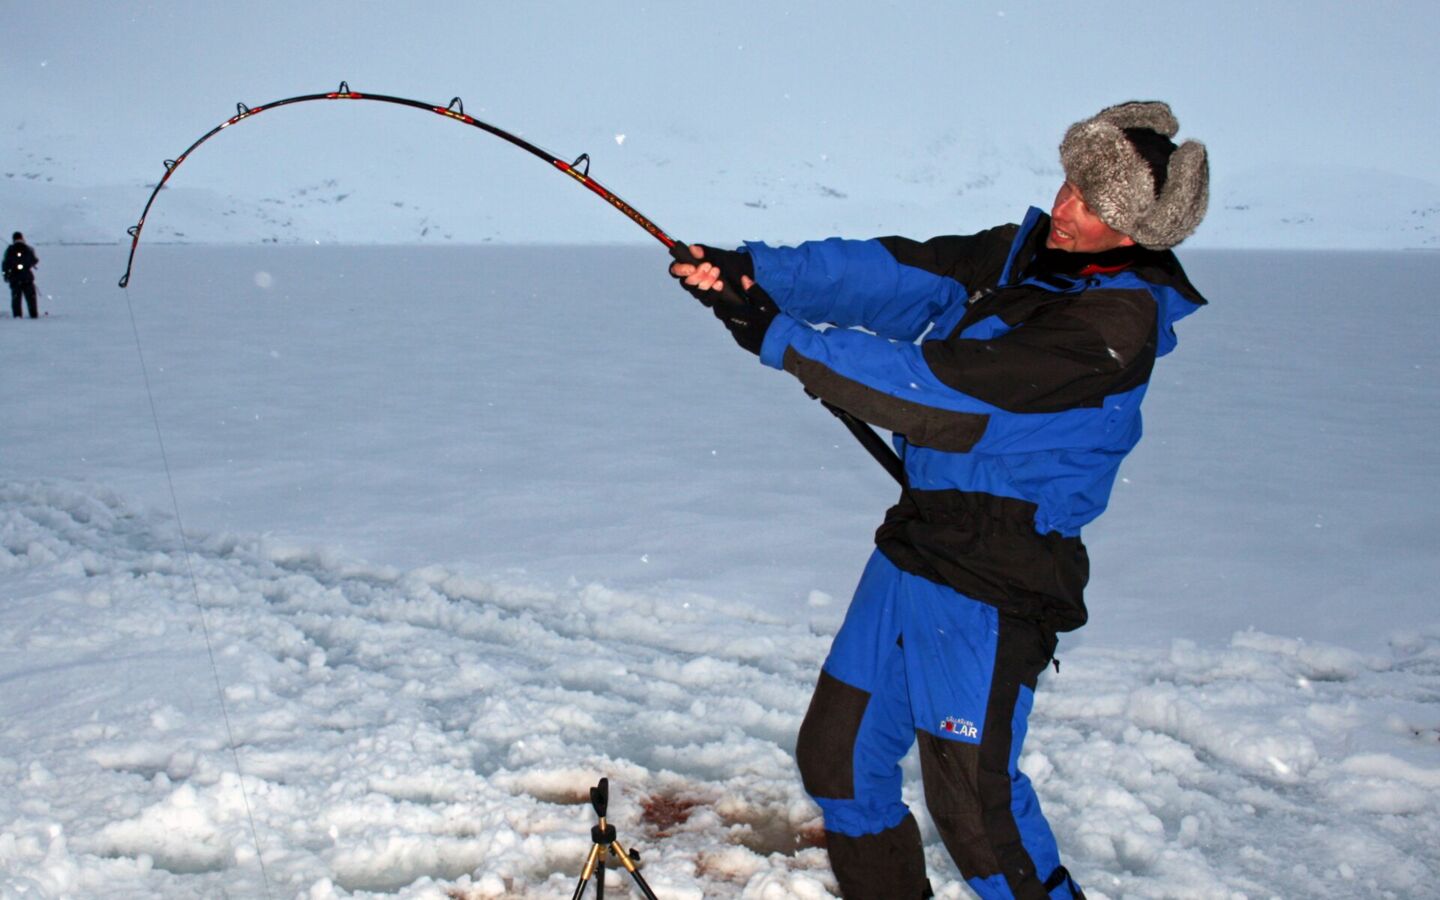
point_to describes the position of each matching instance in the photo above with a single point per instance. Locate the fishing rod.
(579, 169)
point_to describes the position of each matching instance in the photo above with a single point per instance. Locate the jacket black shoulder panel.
(1162, 267)
(974, 260)
(1068, 351)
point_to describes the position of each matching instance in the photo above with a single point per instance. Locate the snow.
(467, 529)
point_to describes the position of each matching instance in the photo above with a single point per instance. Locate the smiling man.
(1010, 366)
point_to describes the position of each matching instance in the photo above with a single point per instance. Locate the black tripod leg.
(644, 886)
(634, 871)
(590, 862)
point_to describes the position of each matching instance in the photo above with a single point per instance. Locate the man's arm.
(942, 394)
(894, 287)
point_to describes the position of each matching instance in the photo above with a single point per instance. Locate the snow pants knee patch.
(825, 749)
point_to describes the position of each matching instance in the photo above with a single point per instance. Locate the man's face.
(1075, 229)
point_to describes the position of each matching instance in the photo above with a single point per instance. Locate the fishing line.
(195, 594)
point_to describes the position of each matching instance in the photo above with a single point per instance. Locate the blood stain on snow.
(665, 812)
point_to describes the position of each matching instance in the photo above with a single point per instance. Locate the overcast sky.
(116, 87)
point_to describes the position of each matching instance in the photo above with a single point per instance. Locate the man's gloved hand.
(707, 272)
(740, 304)
(748, 320)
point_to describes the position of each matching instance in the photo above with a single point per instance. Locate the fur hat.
(1134, 177)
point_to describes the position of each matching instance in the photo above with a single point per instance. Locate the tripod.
(603, 836)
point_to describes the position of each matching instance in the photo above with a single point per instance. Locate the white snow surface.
(467, 529)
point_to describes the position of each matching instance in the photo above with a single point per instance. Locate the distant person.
(20, 263)
(1010, 366)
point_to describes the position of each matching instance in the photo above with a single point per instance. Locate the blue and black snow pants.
(918, 660)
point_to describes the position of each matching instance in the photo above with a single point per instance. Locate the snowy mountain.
(370, 193)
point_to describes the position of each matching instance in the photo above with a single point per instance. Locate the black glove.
(749, 319)
(747, 314)
(733, 265)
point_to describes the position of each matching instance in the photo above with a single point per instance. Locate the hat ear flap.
(1183, 201)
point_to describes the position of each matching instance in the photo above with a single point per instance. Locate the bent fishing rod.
(579, 169)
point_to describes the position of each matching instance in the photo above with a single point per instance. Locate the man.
(19, 267)
(1010, 365)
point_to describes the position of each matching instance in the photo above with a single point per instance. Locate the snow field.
(420, 734)
(451, 757)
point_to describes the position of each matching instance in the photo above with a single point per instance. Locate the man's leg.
(31, 300)
(972, 675)
(15, 299)
(855, 733)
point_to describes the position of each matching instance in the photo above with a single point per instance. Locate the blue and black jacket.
(1011, 377)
